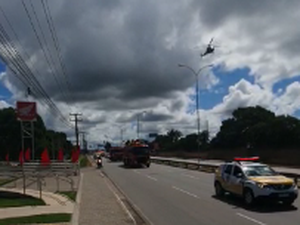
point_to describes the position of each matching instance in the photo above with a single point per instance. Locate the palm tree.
(174, 135)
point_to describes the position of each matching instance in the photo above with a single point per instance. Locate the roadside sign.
(26, 111)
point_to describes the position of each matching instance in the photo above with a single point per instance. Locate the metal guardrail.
(208, 166)
(59, 168)
(35, 172)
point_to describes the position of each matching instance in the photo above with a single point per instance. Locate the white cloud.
(4, 104)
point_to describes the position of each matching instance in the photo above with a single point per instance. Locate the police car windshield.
(256, 171)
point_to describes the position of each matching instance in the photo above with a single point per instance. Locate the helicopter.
(209, 49)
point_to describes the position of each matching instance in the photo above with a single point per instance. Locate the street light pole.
(198, 113)
(197, 99)
(138, 124)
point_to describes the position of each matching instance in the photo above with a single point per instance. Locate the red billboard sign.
(26, 111)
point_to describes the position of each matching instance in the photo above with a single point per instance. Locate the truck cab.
(136, 155)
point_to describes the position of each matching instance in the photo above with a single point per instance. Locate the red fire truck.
(136, 154)
(116, 154)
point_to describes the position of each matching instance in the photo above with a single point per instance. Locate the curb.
(75, 215)
(66, 197)
(138, 216)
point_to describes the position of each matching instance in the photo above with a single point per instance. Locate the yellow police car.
(247, 178)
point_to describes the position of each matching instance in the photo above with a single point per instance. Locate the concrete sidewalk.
(99, 203)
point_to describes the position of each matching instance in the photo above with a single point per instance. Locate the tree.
(259, 128)
(10, 136)
(107, 146)
(174, 135)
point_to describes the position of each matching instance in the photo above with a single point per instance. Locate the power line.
(45, 48)
(76, 120)
(12, 58)
(52, 29)
(15, 62)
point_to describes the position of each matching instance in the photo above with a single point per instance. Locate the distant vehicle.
(115, 154)
(99, 162)
(254, 181)
(99, 153)
(136, 154)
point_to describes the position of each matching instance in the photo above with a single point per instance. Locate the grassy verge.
(45, 218)
(3, 181)
(84, 161)
(6, 181)
(70, 194)
(11, 199)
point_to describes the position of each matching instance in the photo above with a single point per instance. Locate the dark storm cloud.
(153, 117)
(112, 49)
(145, 117)
(94, 121)
(214, 13)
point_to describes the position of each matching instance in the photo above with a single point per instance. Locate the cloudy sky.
(119, 59)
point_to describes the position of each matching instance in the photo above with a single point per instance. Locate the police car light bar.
(246, 159)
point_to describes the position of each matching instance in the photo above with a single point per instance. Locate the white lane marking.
(120, 201)
(137, 172)
(152, 178)
(186, 192)
(190, 176)
(251, 219)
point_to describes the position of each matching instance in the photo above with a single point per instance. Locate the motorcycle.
(99, 163)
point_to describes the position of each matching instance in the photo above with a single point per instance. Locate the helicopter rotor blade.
(200, 46)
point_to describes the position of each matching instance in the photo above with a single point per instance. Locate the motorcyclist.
(99, 161)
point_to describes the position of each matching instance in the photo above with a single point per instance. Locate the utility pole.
(76, 120)
(138, 126)
(84, 142)
(122, 133)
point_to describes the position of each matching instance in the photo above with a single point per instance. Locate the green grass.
(3, 181)
(11, 199)
(83, 161)
(45, 218)
(6, 181)
(70, 194)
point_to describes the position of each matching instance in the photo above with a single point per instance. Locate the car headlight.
(261, 185)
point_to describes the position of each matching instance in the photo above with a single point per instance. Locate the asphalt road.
(174, 196)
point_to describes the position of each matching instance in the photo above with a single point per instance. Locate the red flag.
(27, 154)
(45, 160)
(21, 157)
(75, 155)
(72, 155)
(7, 157)
(60, 156)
